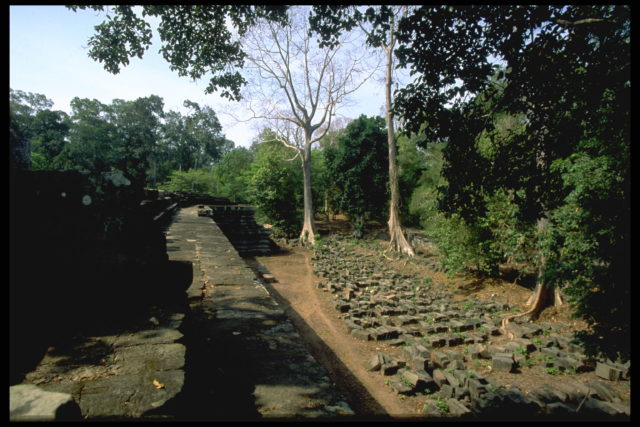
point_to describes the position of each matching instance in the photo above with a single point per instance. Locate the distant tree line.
(137, 138)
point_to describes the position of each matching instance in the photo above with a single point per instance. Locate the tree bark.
(397, 241)
(307, 236)
(543, 295)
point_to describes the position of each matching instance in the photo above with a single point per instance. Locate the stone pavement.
(245, 359)
(226, 351)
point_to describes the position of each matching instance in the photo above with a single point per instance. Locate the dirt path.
(312, 312)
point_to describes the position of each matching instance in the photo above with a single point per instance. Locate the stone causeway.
(225, 352)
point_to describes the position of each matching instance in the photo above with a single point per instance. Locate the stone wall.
(86, 252)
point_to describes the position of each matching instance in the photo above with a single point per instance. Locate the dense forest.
(522, 162)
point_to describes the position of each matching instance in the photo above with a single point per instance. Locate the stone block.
(559, 409)
(550, 351)
(503, 362)
(446, 391)
(599, 407)
(439, 377)
(389, 368)
(603, 391)
(488, 402)
(543, 395)
(384, 333)
(435, 341)
(375, 363)
(418, 380)
(453, 340)
(440, 359)
(422, 351)
(452, 379)
(269, 278)
(421, 363)
(608, 372)
(476, 387)
(457, 408)
(575, 391)
(400, 386)
(28, 402)
(361, 334)
(473, 351)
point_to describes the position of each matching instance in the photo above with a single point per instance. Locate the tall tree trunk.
(308, 226)
(543, 295)
(397, 241)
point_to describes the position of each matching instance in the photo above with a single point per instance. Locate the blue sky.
(48, 55)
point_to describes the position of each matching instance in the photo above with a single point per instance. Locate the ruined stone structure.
(86, 252)
(237, 222)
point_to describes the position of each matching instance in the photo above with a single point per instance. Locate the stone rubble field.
(452, 352)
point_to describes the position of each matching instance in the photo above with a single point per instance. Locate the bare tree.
(297, 86)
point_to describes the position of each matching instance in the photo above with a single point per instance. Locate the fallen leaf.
(158, 384)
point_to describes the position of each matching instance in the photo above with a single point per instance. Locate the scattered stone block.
(608, 372)
(476, 387)
(488, 402)
(361, 334)
(446, 391)
(432, 408)
(519, 401)
(452, 379)
(457, 408)
(503, 362)
(440, 359)
(384, 333)
(454, 340)
(419, 380)
(400, 386)
(435, 342)
(390, 367)
(375, 363)
(439, 377)
(473, 351)
(460, 393)
(624, 367)
(456, 325)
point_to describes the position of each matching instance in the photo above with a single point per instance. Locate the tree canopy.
(357, 164)
(196, 40)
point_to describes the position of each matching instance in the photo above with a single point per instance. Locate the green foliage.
(412, 165)
(190, 141)
(35, 126)
(195, 181)
(232, 174)
(359, 167)
(120, 136)
(195, 40)
(464, 246)
(589, 246)
(275, 186)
